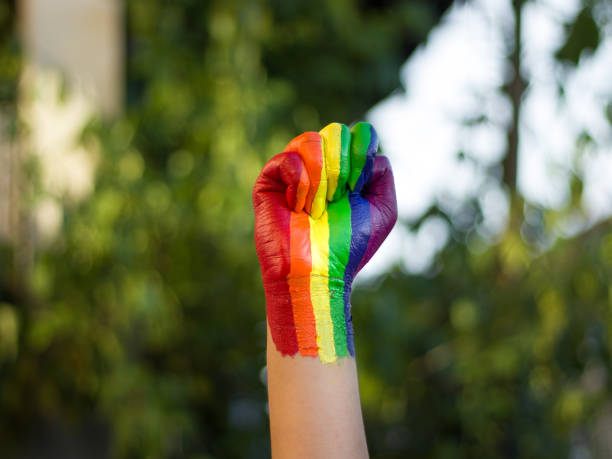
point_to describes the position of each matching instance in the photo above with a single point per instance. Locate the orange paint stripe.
(308, 146)
(299, 283)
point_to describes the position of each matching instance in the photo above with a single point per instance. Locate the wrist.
(311, 315)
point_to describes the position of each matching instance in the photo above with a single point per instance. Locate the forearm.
(315, 410)
(322, 209)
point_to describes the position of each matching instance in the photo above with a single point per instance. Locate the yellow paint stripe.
(319, 203)
(332, 142)
(319, 287)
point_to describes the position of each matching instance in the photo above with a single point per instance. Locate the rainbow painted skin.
(322, 209)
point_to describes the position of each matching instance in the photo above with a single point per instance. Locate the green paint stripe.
(360, 141)
(339, 214)
(345, 161)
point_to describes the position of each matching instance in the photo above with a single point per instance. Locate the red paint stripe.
(272, 228)
(299, 284)
(278, 299)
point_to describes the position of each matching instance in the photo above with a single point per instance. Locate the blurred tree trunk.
(80, 41)
(515, 89)
(83, 39)
(13, 222)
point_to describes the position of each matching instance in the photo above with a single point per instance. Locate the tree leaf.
(582, 35)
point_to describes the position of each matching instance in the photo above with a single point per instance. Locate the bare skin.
(315, 410)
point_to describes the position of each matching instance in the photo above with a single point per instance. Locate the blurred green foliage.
(142, 325)
(498, 355)
(10, 62)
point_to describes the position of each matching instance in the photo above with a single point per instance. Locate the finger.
(284, 173)
(364, 143)
(337, 142)
(380, 193)
(309, 146)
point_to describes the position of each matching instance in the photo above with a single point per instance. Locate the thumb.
(380, 190)
(380, 193)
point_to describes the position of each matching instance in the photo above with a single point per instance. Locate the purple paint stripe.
(361, 227)
(380, 193)
(376, 236)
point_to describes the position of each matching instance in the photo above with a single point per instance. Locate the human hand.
(322, 209)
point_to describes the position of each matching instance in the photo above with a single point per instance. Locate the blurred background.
(132, 315)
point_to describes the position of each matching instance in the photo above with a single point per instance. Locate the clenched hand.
(322, 209)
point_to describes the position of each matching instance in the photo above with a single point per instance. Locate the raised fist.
(322, 209)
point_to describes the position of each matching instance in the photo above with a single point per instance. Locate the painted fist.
(322, 209)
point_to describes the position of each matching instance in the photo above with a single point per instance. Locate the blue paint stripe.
(361, 227)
